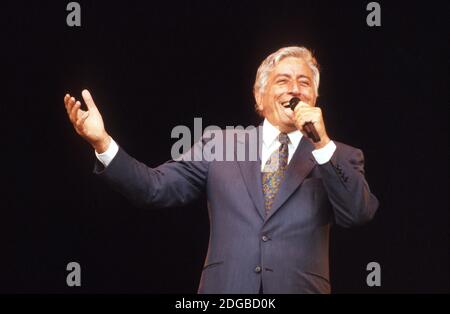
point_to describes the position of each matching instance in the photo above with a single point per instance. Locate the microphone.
(308, 126)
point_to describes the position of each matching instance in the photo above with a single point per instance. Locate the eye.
(282, 81)
(304, 83)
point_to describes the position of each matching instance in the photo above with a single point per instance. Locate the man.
(270, 224)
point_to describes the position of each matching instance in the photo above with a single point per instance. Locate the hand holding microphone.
(308, 126)
(309, 120)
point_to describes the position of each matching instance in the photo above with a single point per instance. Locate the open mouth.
(285, 104)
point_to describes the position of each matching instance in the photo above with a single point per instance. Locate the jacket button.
(265, 238)
(257, 269)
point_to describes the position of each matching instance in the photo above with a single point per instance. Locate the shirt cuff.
(107, 156)
(324, 154)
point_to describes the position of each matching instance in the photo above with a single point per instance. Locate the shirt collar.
(270, 134)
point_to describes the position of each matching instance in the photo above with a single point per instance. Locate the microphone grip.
(311, 132)
(308, 126)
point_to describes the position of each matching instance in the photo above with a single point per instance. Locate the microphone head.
(293, 102)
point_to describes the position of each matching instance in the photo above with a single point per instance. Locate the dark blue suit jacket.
(286, 252)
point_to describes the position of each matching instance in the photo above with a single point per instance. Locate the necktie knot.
(283, 138)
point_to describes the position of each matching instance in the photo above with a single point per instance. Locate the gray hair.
(262, 75)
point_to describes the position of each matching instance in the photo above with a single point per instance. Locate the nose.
(294, 88)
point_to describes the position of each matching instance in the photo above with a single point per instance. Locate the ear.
(258, 99)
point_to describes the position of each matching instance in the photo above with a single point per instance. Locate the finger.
(303, 104)
(300, 112)
(66, 100)
(81, 119)
(70, 105)
(302, 117)
(88, 99)
(307, 112)
(311, 112)
(69, 102)
(66, 103)
(74, 111)
(80, 112)
(304, 107)
(309, 118)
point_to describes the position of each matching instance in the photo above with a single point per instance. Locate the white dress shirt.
(270, 144)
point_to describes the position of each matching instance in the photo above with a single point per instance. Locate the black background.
(154, 65)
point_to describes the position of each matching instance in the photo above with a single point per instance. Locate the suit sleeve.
(348, 191)
(174, 183)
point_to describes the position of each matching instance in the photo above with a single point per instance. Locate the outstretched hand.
(87, 123)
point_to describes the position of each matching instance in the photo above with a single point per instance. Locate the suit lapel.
(298, 169)
(251, 171)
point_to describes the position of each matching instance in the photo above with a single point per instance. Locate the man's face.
(291, 77)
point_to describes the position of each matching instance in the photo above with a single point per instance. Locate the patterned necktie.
(274, 171)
